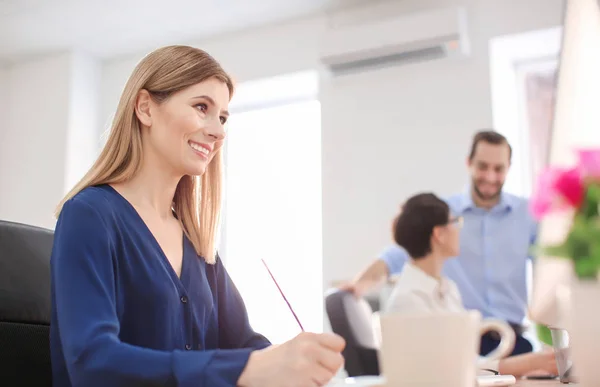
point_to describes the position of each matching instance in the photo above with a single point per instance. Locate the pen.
(283, 295)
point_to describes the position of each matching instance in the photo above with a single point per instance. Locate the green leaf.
(582, 244)
(560, 251)
(586, 268)
(593, 192)
(595, 250)
(544, 334)
(578, 239)
(589, 207)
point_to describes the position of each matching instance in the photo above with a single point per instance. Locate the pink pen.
(283, 295)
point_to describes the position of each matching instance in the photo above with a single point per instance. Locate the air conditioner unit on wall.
(395, 40)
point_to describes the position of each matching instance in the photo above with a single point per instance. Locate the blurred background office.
(344, 108)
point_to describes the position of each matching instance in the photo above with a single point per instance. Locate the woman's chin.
(196, 171)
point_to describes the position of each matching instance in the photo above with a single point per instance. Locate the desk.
(520, 383)
(541, 383)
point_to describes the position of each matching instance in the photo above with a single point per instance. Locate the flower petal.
(589, 161)
(569, 184)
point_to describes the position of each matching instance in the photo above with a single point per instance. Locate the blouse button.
(184, 299)
(188, 347)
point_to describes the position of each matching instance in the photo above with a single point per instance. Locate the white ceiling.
(108, 28)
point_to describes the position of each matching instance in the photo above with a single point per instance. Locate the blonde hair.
(197, 200)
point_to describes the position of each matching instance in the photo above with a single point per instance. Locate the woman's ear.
(143, 103)
(437, 234)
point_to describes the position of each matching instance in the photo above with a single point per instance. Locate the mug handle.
(507, 338)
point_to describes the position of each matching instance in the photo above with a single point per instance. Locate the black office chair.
(25, 305)
(374, 302)
(351, 318)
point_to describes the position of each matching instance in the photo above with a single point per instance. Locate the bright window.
(537, 84)
(523, 69)
(273, 206)
(515, 60)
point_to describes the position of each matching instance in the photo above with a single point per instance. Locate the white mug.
(439, 349)
(507, 337)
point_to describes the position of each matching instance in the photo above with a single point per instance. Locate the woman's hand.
(544, 363)
(308, 360)
(540, 363)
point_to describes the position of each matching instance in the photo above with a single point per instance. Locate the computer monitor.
(576, 124)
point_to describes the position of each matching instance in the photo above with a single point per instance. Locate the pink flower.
(569, 184)
(589, 162)
(557, 189)
(543, 197)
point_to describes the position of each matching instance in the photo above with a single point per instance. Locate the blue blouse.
(122, 317)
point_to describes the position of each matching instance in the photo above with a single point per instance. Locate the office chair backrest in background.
(24, 305)
(351, 318)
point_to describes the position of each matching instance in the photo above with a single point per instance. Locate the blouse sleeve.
(83, 276)
(234, 327)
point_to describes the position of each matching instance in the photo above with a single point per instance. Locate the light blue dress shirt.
(490, 270)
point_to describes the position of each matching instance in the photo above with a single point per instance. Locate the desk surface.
(520, 383)
(541, 383)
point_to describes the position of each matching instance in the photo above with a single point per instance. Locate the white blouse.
(415, 292)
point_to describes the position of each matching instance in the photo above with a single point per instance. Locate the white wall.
(44, 142)
(32, 151)
(83, 139)
(386, 134)
(3, 104)
(391, 133)
(258, 53)
(3, 120)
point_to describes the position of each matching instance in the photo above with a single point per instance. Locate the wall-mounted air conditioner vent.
(393, 41)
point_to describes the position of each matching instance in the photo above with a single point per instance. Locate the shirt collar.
(466, 203)
(424, 282)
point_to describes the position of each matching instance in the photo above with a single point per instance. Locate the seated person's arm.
(390, 262)
(521, 365)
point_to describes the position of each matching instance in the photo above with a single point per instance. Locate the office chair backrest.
(351, 318)
(25, 305)
(374, 302)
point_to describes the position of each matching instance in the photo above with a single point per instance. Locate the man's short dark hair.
(414, 226)
(491, 137)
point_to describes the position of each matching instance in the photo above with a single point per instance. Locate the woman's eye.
(223, 120)
(202, 107)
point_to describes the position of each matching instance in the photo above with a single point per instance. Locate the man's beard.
(486, 197)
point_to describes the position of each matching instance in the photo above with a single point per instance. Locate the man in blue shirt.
(494, 245)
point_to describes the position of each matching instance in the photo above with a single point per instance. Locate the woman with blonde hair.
(139, 294)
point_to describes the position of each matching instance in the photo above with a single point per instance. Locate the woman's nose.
(216, 130)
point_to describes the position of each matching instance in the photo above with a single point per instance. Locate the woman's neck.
(153, 187)
(431, 264)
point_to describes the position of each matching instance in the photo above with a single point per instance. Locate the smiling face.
(187, 129)
(488, 167)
